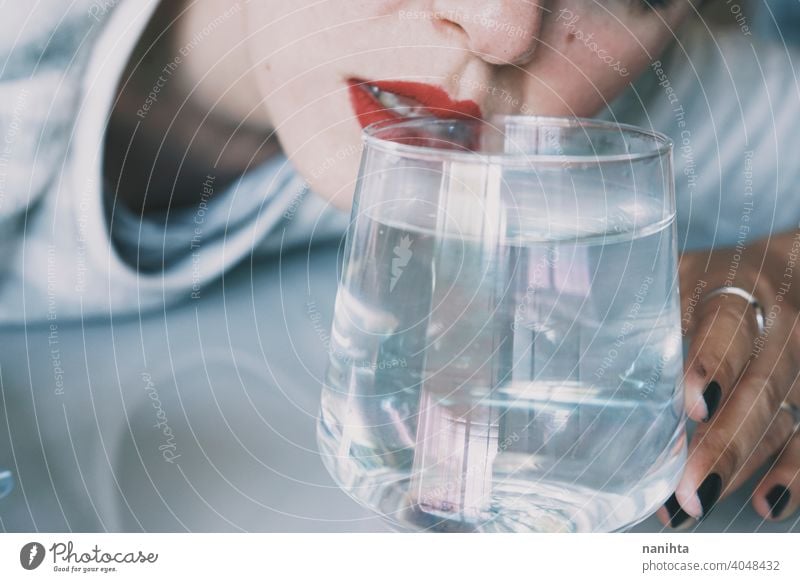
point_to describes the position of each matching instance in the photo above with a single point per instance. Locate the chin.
(337, 189)
(341, 199)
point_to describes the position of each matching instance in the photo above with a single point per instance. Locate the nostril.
(449, 26)
(501, 32)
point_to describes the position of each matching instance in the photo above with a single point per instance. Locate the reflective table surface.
(200, 417)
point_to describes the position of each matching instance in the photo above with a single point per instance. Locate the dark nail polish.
(677, 516)
(778, 498)
(709, 491)
(712, 396)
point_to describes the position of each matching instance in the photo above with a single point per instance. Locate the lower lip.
(434, 101)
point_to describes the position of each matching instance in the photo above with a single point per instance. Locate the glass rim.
(663, 144)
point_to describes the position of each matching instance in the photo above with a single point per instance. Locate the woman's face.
(326, 68)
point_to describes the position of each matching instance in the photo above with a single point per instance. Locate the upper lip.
(432, 99)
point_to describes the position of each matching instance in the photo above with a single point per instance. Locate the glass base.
(516, 504)
(6, 482)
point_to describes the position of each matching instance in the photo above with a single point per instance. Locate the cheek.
(322, 141)
(330, 166)
(589, 61)
(298, 70)
(367, 8)
(578, 81)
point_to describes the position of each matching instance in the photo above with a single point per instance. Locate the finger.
(726, 451)
(720, 349)
(777, 496)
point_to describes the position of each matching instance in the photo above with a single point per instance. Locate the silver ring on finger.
(747, 296)
(794, 411)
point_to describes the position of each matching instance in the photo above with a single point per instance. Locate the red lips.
(432, 99)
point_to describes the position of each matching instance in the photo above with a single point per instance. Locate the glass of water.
(6, 482)
(506, 349)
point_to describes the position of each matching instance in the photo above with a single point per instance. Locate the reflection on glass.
(6, 483)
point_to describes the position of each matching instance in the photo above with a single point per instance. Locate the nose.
(501, 32)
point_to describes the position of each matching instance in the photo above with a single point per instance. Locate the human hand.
(737, 377)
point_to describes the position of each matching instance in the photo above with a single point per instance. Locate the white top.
(731, 104)
(61, 62)
(58, 260)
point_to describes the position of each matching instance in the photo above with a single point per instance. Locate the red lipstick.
(428, 99)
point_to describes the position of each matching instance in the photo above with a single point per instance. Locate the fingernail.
(778, 498)
(677, 516)
(709, 491)
(712, 395)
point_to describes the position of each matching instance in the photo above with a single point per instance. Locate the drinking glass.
(506, 349)
(6, 482)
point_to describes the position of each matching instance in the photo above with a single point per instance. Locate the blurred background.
(777, 18)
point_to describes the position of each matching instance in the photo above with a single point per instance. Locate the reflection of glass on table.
(6, 482)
